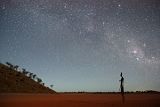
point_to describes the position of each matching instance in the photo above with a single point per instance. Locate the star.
(128, 41)
(103, 23)
(137, 59)
(119, 5)
(65, 5)
(134, 51)
(144, 45)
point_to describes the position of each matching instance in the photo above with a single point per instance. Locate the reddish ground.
(79, 100)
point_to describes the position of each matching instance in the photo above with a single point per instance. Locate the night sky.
(83, 45)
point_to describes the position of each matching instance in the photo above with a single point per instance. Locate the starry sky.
(83, 45)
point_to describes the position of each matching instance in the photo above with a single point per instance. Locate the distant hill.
(13, 81)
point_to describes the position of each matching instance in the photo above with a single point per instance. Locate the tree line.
(26, 73)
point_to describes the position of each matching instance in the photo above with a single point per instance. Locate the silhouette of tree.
(24, 71)
(10, 65)
(34, 76)
(51, 86)
(30, 75)
(27, 72)
(16, 67)
(39, 80)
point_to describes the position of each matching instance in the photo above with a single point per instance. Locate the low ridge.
(14, 81)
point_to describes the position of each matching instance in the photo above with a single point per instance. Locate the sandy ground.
(79, 100)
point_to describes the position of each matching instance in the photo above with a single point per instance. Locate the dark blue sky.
(83, 45)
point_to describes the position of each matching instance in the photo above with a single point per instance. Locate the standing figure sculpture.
(122, 87)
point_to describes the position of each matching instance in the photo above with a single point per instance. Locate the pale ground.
(79, 100)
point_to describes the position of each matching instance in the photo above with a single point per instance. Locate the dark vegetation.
(13, 80)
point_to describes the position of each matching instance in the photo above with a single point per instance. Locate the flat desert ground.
(79, 100)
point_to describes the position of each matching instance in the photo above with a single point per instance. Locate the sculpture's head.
(121, 74)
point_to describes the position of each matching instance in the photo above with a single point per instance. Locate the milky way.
(83, 45)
